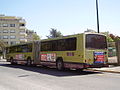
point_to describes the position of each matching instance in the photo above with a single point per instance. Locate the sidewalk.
(2, 60)
(111, 69)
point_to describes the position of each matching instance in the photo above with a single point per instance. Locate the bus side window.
(49, 46)
(71, 44)
(54, 45)
(29, 47)
(24, 48)
(19, 48)
(43, 46)
(59, 45)
(12, 49)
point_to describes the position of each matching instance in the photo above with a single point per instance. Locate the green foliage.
(109, 39)
(115, 38)
(33, 35)
(36, 37)
(54, 33)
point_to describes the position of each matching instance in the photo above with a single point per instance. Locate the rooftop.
(3, 17)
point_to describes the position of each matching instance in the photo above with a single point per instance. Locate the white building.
(12, 29)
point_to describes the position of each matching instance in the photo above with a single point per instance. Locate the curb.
(107, 71)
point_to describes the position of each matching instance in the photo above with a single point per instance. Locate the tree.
(54, 33)
(32, 35)
(112, 36)
(109, 39)
(36, 37)
(115, 38)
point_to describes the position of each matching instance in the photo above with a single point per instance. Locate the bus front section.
(96, 54)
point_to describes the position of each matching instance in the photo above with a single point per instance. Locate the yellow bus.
(78, 51)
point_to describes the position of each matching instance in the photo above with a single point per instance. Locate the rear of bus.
(95, 50)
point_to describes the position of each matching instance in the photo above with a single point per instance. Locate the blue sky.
(67, 16)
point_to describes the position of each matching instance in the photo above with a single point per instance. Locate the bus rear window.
(94, 41)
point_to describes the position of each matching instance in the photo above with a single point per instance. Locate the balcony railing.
(23, 39)
(22, 27)
(23, 33)
(22, 21)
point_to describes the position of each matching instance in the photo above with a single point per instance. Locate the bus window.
(71, 44)
(13, 49)
(96, 41)
(46, 46)
(59, 45)
(29, 46)
(26, 48)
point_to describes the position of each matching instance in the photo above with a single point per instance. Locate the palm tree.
(54, 33)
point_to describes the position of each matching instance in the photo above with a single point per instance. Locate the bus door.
(36, 52)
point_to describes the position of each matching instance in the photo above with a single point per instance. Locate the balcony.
(23, 33)
(22, 21)
(23, 40)
(22, 27)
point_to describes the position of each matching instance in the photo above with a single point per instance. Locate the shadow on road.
(50, 71)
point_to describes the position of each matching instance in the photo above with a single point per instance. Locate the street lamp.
(97, 16)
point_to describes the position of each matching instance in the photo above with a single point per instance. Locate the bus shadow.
(51, 71)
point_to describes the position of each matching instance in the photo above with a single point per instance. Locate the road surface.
(17, 77)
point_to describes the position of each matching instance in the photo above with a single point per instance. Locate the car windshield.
(94, 41)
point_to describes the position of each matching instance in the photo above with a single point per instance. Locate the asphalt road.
(17, 77)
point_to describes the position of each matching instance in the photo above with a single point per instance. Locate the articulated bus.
(86, 50)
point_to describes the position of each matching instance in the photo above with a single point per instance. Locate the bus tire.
(29, 62)
(60, 64)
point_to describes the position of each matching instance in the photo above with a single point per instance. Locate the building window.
(22, 32)
(22, 37)
(5, 31)
(13, 42)
(12, 31)
(6, 42)
(12, 25)
(5, 37)
(12, 37)
(22, 24)
(5, 25)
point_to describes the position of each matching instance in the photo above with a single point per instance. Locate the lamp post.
(97, 16)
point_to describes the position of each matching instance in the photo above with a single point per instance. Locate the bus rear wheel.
(60, 65)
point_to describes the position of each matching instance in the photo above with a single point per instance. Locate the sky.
(67, 16)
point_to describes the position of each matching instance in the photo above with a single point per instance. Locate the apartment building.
(12, 29)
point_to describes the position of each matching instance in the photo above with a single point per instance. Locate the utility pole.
(97, 16)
